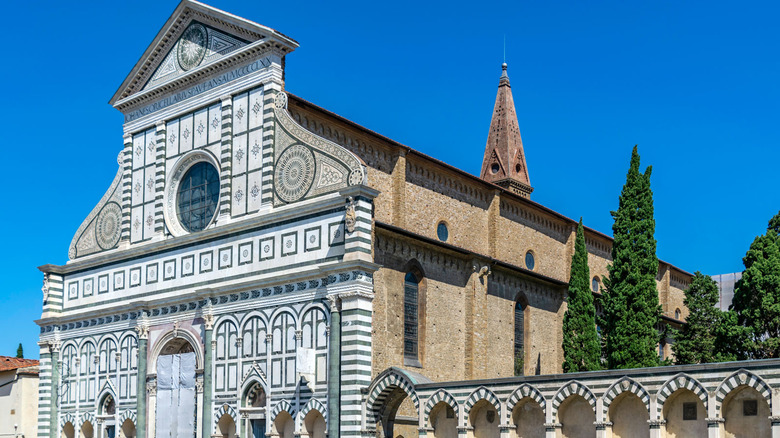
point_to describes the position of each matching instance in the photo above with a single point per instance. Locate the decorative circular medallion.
(294, 173)
(356, 177)
(107, 225)
(281, 100)
(192, 46)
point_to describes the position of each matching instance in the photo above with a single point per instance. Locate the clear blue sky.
(695, 84)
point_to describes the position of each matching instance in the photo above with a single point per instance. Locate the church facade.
(260, 266)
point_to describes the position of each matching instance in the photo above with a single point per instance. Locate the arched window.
(411, 316)
(677, 314)
(519, 358)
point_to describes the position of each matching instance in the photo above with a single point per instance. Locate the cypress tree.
(581, 348)
(757, 296)
(696, 342)
(631, 308)
(20, 351)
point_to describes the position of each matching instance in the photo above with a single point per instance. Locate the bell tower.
(504, 160)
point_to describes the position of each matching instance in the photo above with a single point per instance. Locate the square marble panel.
(266, 248)
(312, 239)
(225, 257)
(188, 265)
(89, 287)
(169, 269)
(245, 253)
(336, 233)
(73, 290)
(206, 261)
(289, 244)
(135, 277)
(103, 284)
(151, 273)
(119, 280)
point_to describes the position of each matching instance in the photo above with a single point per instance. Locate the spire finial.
(504, 49)
(504, 80)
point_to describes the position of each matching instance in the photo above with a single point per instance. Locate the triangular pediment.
(195, 38)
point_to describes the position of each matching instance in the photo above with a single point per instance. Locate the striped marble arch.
(680, 381)
(625, 384)
(742, 377)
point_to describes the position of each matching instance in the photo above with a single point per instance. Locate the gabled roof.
(186, 12)
(8, 363)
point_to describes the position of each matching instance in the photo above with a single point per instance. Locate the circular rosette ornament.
(192, 46)
(281, 100)
(107, 225)
(356, 177)
(294, 173)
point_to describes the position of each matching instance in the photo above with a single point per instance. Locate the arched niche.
(685, 414)
(484, 417)
(577, 417)
(226, 427)
(746, 414)
(629, 416)
(127, 429)
(314, 424)
(527, 419)
(68, 431)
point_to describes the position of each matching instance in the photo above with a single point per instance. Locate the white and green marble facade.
(254, 293)
(275, 296)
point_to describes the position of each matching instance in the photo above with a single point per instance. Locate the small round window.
(442, 232)
(198, 197)
(529, 260)
(594, 285)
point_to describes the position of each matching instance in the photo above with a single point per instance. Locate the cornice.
(279, 214)
(485, 259)
(250, 53)
(170, 32)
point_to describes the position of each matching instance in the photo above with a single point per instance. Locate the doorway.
(175, 410)
(258, 428)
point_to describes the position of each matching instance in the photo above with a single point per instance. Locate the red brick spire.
(504, 160)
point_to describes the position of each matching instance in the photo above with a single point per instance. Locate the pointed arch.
(572, 388)
(107, 390)
(481, 393)
(440, 396)
(225, 409)
(67, 418)
(254, 375)
(281, 405)
(127, 414)
(385, 383)
(679, 381)
(520, 393)
(739, 378)
(315, 404)
(86, 416)
(625, 384)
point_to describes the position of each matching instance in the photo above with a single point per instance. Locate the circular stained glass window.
(198, 197)
(442, 232)
(529, 260)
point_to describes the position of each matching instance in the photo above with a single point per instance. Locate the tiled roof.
(11, 363)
